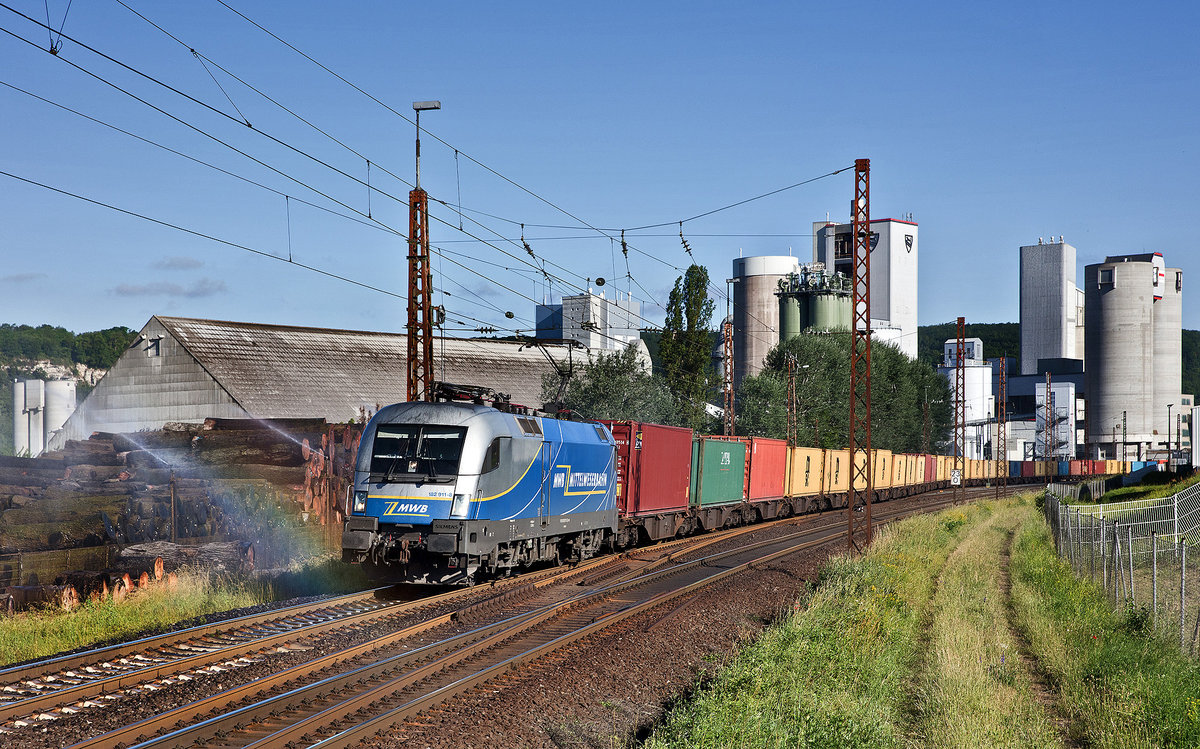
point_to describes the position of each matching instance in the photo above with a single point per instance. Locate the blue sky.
(992, 124)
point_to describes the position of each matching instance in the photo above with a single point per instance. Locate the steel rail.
(554, 577)
(475, 642)
(457, 648)
(550, 577)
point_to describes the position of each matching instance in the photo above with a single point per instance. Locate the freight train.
(452, 493)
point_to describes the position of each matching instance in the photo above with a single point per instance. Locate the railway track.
(440, 645)
(58, 687)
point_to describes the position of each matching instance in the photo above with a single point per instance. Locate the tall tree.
(616, 386)
(686, 348)
(899, 388)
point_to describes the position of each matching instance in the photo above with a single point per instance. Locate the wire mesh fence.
(1144, 554)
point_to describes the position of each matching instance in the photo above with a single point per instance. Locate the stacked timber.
(224, 479)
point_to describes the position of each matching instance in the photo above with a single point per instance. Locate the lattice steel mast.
(727, 329)
(1002, 432)
(960, 413)
(858, 508)
(420, 284)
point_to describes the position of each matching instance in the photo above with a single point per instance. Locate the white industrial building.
(1052, 320)
(40, 408)
(894, 254)
(979, 400)
(187, 370)
(1064, 413)
(593, 320)
(1133, 356)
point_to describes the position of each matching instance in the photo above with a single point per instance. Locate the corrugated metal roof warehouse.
(186, 370)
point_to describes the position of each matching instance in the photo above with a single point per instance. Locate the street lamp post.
(1169, 407)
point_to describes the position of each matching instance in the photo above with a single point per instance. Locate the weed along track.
(1043, 690)
(346, 669)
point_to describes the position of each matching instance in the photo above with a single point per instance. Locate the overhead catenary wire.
(456, 150)
(242, 152)
(370, 189)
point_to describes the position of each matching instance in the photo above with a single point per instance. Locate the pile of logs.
(223, 479)
(70, 589)
(137, 568)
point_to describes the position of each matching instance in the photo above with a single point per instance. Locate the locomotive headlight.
(461, 506)
(360, 501)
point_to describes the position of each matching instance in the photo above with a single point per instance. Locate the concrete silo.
(60, 404)
(1132, 356)
(756, 310)
(1168, 350)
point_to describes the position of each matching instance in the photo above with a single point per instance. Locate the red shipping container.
(1028, 468)
(930, 469)
(1076, 467)
(766, 467)
(654, 467)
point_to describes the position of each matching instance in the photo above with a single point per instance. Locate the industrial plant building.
(1052, 324)
(1133, 361)
(592, 320)
(978, 396)
(1112, 352)
(894, 253)
(815, 296)
(187, 370)
(40, 408)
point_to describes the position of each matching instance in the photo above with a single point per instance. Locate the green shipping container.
(718, 471)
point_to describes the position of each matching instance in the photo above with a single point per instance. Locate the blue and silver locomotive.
(447, 493)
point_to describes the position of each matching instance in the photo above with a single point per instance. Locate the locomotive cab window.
(491, 458)
(403, 452)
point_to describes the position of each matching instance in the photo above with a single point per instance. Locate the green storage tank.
(718, 471)
(793, 314)
(829, 310)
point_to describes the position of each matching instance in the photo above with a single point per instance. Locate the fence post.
(1182, 551)
(1154, 583)
(1092, 548)
(1175, 519)
(1071, 547)
(1117, 589)
(1103, 560)
(1133, 594)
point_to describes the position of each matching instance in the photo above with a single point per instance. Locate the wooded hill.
(22, 346)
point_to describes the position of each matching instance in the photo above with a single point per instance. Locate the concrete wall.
(1049, 304)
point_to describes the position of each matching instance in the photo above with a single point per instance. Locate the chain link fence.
(1144, 553)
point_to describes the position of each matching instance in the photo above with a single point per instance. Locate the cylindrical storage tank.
(20, 421)
(828, 311)
(1168, 353)
(792, 317)
(35, 411)
(756, 310)
(60, 404)
(1119, 354)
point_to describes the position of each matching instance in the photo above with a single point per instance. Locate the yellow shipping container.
(806, 471)
(837, 471)
(882, 479)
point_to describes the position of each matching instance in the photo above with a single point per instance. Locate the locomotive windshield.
(421, 452)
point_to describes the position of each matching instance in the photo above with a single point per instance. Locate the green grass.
(1148, 490)
(973, 666)
(837, 673)
(39, 634)
(1120, 684)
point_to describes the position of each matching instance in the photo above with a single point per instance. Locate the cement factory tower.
(1051, 305)
(893, 275)
(756, 310)
(1133, 362)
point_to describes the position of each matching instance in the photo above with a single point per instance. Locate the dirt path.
(1040, 683)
